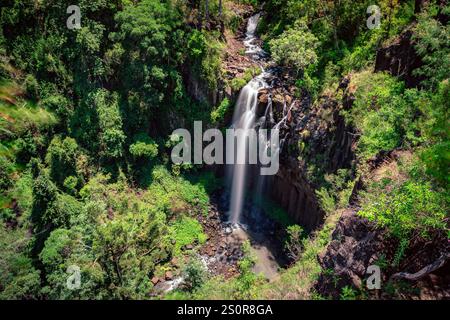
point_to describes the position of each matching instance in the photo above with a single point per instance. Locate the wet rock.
(174, 262)
(155, 280)
(263, 100)
(288, 100)
(168, 275)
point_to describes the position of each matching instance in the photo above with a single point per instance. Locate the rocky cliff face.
(400, 59)
(319, 134)
(357, 244)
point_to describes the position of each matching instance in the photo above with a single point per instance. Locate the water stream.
(242, 175)
(245, 117)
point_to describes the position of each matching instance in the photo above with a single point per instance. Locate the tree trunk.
(422, 272)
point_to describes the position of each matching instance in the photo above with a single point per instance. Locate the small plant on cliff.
(293, 243)
(348, 293)
(326, 201)
(218, 114)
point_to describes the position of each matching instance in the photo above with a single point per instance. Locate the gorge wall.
(316, 132)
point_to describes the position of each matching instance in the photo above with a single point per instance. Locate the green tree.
(62, 157)
(18, 277)
(111, 136)
(435, 128)
(295, 47)
(432, 43)
(143, 147)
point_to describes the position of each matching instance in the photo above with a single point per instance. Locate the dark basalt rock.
(356, 244)
(323, 129)
(400, 59)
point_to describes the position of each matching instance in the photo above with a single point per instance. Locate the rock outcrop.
(319, 134)
(356, 244)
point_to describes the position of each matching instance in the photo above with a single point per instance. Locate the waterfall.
(245, 118)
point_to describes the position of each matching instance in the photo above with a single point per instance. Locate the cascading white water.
(242, 176)
(244, 118)
(250, 42)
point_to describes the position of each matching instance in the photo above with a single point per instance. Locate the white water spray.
(245, 118)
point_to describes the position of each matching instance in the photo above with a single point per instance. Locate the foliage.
(247, 281)
(61, 158)
(218, 114)
(186, 231)
(432, 43)
(435, 129)
(195, 275)
(412, 207)
(348, 293)
(293, 243)
(84, 173)
(295, 47)
(383, 112)
(5, 171)
(18, 277)
(240, 82)
(327, 202)
(111, 137)
(144, 146)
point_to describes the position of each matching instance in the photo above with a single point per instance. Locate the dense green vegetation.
(84, 121)
(86, 117)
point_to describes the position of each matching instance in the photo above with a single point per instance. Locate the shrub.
(195, 275)
(434, 125)
(432, 43)
(144, 147)
(5, 171)
(294, 242)
(348, 293)
(383, 112)
(61, 157)
(327, 202)
(295, 47)
(32, 87)
(185, 231)
(412, 207)
(218, 114)
(247, 281)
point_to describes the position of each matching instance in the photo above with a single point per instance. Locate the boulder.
(174, 262)
(263, 100)
(168, 275)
